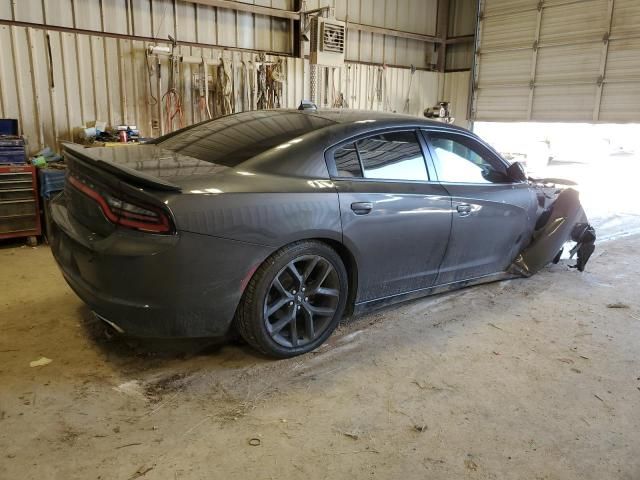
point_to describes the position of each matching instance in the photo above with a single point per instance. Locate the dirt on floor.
(524, 379)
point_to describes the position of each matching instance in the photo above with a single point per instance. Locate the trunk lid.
(146, 166)
(141, 177)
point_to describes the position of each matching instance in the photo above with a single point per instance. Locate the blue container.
(51, 182)
(8, 126)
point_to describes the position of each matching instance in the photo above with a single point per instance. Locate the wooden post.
(442, 32)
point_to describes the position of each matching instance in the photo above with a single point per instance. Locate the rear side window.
(392, 156)
(386, 156)
(347, 162)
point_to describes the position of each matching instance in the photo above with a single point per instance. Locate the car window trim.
(426, 132)
(427, 129)
(426, 156)
(331, 159)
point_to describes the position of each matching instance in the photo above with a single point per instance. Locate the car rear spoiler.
(125, 173)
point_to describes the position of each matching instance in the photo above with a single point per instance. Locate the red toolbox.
(19, 209)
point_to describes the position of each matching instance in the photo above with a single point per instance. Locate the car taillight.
(122, 212)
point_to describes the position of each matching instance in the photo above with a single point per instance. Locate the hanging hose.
(408, 100)
(387, 102)
(244, 86)
(379, 85)
(153, 100)
(173, 109)
(171, 98)
(345, 101)
(205, 83)
(338, 97)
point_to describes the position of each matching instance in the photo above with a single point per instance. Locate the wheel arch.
(346, 255)
(351, 266)
(244, 322)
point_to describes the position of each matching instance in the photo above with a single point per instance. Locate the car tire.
(304, 284)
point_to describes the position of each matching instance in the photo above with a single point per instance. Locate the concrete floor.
(535, 379)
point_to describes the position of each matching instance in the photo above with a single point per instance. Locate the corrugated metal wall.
(372, 87)
(184, 21)
(414, 16)
(53, 80)
(91, 77)
(462, 22)
(456, 88)
(559, 60)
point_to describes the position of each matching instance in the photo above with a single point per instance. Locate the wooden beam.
(245, 7)
(394, 33)
(81, 31)
(442, 30)
(460, 39)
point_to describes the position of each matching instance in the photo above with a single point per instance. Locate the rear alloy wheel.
(294, 301)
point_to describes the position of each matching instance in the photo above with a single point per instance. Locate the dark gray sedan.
(278, 222)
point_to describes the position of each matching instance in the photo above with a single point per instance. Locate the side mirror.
(494, 176)
(516, 172)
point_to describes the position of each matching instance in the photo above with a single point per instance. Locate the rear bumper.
(154, 286)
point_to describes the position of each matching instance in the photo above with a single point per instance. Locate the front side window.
(459, 160)
(392, 156)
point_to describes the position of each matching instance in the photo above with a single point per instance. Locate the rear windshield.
(231, 140)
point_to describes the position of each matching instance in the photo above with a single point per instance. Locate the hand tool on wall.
(252, 85)
(262, 82)
(225, 87)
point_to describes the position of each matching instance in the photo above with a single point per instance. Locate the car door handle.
(361, 208)
(464, 210)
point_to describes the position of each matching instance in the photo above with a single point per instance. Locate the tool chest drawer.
(12, 155)
(9, 179)
(12, 149)
(19, 209)
(9, 208)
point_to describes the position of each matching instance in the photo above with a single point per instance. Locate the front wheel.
(294, 300)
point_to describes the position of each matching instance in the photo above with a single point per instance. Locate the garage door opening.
(604, 159)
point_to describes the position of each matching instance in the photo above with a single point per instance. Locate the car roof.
(382, 119)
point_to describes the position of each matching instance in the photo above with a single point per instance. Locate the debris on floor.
(617, 305)
(41, 362)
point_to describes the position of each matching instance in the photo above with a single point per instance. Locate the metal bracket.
(324, 9)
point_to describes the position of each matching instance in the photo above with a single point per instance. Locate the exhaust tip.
(112, 328)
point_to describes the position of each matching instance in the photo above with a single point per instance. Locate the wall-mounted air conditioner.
(327, 37)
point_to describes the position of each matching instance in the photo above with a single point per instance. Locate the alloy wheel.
(301, 301)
